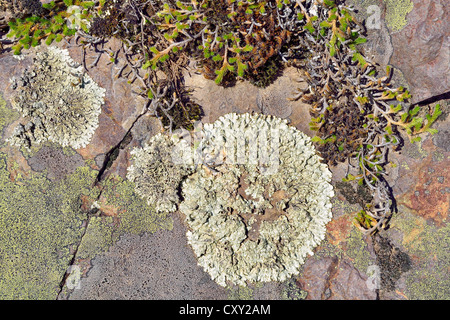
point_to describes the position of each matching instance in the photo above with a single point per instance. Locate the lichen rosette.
(157, 171)
(258, 203)
(58, 100)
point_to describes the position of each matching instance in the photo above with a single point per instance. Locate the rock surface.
(123, 250)
(414, 37)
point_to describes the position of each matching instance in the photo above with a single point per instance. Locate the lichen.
(155, 173)
(396, 12)
(428, 246)
(99, 236)
(58, 100)
(134, 216)
(260, 201)
(40, 223)
(7, 115)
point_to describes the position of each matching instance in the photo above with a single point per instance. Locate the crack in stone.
(110, 157)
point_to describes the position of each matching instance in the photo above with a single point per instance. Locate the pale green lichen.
(155, 173)
(99, 236)
(357, 251)
(7, 115)
(134, 216)
(429, 246)
(396, 12)
(58, 100)
(40, 224)
(260, 202)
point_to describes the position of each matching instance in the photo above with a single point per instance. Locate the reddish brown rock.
(422, 49)
(334, 279)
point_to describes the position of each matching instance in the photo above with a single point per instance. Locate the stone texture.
(157, 266)
(425, 41)
(416, 42)
(55, 161)
(162, 266)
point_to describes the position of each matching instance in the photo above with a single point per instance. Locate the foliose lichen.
(259, 201)
(59, 101)
(156, 174)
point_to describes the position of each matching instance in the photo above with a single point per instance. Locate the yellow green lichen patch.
(40, 224)
(121, 211)
(136, 216)
(7, 115)
(428, 247)
(357, 251)
(98, 237)
(395, 15)
(240, 293)
(396, 12)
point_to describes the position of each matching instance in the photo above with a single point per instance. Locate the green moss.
(40, 222)
(428, 246)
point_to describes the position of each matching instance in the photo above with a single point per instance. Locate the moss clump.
(40, 222)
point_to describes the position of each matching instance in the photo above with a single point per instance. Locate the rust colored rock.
(334, 279)
(431, 195)
(422, 49)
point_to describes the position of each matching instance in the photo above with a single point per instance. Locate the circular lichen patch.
(58, 100)
(258, 203)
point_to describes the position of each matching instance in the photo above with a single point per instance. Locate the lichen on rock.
(58, 100)
(156, 173)
(258, 203)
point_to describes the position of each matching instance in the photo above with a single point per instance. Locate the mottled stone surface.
(412, 263)
(422, 49)
(157, 266)
(414, 37)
